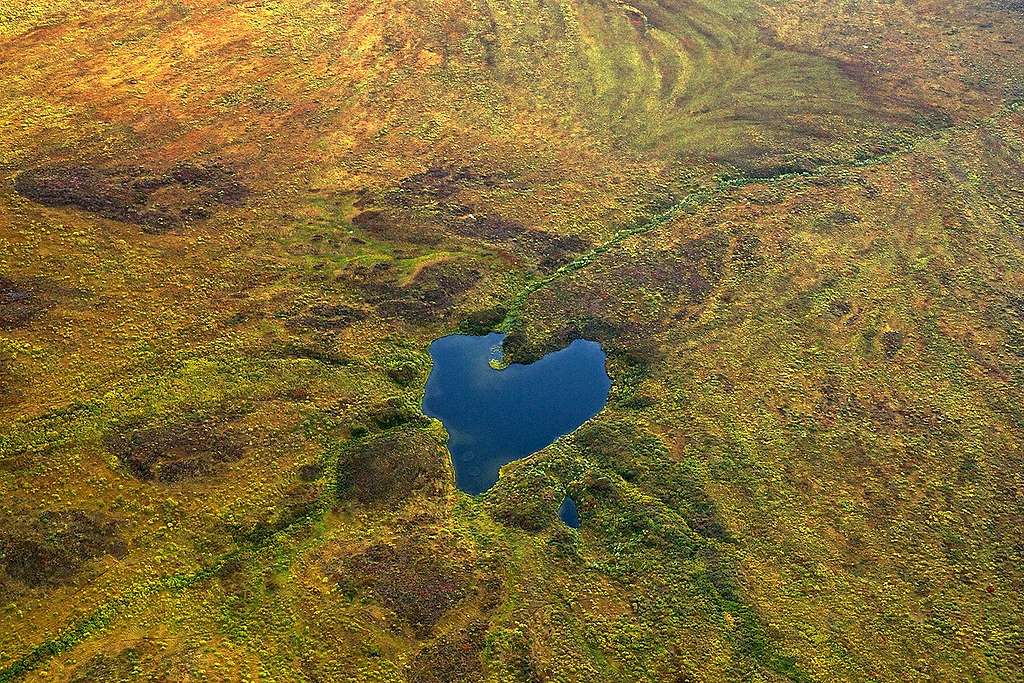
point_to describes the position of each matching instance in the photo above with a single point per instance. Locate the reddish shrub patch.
(453, 657)
(409, 580)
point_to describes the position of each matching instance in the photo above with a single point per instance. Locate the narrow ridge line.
(725, 186)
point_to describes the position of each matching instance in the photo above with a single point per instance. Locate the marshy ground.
(230, 230)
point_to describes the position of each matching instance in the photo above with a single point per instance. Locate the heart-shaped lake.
(496, 416)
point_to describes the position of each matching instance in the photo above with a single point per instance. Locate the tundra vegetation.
(230, 229)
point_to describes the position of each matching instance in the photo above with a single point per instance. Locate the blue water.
(568, 512)
(496, 416)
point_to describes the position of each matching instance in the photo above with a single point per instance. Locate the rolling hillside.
(230, 229)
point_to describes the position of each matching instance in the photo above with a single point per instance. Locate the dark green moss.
(483, 321)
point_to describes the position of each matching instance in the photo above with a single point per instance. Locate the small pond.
(568, 513)
(496, 416)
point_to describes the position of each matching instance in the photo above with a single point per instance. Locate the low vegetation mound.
(171, 453)
(410, 580)
(50, 549)
(157, 201)
(392, 466)
(20, 303)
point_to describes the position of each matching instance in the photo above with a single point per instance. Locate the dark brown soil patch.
(769, 170)
(15, 462)
(702, 264)
(390, 467)
(553, 250)
(484, 226)
(319, 350)
(52, 548)
(311, 471)
(684, 275)
(839, 308)
(427, 204)
(172, 453)
(892, 342)
(20, 303)
(434, 292)
(746, 252)
(326, 318)
(431, 196)
(396, 224)
(452, 657)
(157, 201)
(437, 184)
(149, 659)
(452, 278)
(217, 183)
(409, 580)
(375, 223)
